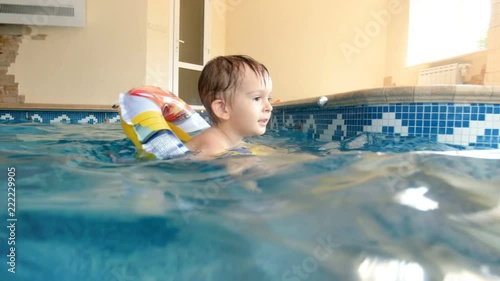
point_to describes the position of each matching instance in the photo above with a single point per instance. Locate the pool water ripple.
(367, 208)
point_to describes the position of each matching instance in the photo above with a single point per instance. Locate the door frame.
(174, 63)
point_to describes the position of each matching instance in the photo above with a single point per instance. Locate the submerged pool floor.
(367, 208)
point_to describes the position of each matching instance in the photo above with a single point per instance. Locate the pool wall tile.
(468, 125)
(56, 117)
(465, 115)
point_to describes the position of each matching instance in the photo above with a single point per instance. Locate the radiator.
(445, 74)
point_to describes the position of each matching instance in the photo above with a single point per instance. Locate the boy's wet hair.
(221, 77)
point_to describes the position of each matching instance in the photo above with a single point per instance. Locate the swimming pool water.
(368, 208)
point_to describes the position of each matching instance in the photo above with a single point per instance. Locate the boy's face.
(250, 109)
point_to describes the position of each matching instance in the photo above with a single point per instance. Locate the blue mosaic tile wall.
(470, 125)
(52, 117)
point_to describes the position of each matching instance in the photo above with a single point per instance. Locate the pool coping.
(405, 94)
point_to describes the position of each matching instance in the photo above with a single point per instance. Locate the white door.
(191, 41)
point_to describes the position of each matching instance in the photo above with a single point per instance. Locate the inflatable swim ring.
(158, 122)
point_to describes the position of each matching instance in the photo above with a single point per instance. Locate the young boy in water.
(236, 92)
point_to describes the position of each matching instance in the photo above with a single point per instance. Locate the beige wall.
(397, 46)
(123, 45)
(158, 44)
(89, 65)
(322, 47)
(301, 43)
(311, 48)
(218, 40)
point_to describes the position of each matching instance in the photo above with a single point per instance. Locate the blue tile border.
(470, 125)
(56, 117)
(65, 117)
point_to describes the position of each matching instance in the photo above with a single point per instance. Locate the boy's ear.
(220, 110)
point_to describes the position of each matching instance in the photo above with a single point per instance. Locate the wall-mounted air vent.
(43, 12)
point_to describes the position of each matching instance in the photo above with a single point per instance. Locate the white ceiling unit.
(43, 12)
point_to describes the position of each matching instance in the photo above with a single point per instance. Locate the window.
(441, 29)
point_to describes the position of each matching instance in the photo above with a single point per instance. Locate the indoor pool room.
(249, 140)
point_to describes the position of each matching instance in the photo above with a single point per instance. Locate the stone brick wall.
(9, 46)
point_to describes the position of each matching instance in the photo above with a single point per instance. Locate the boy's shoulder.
(206, 143)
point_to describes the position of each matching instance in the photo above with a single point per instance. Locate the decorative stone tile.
(495, 95)
(343, 99)
(399, 94)
(434, 93)
(371, 96)
(473, 94)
